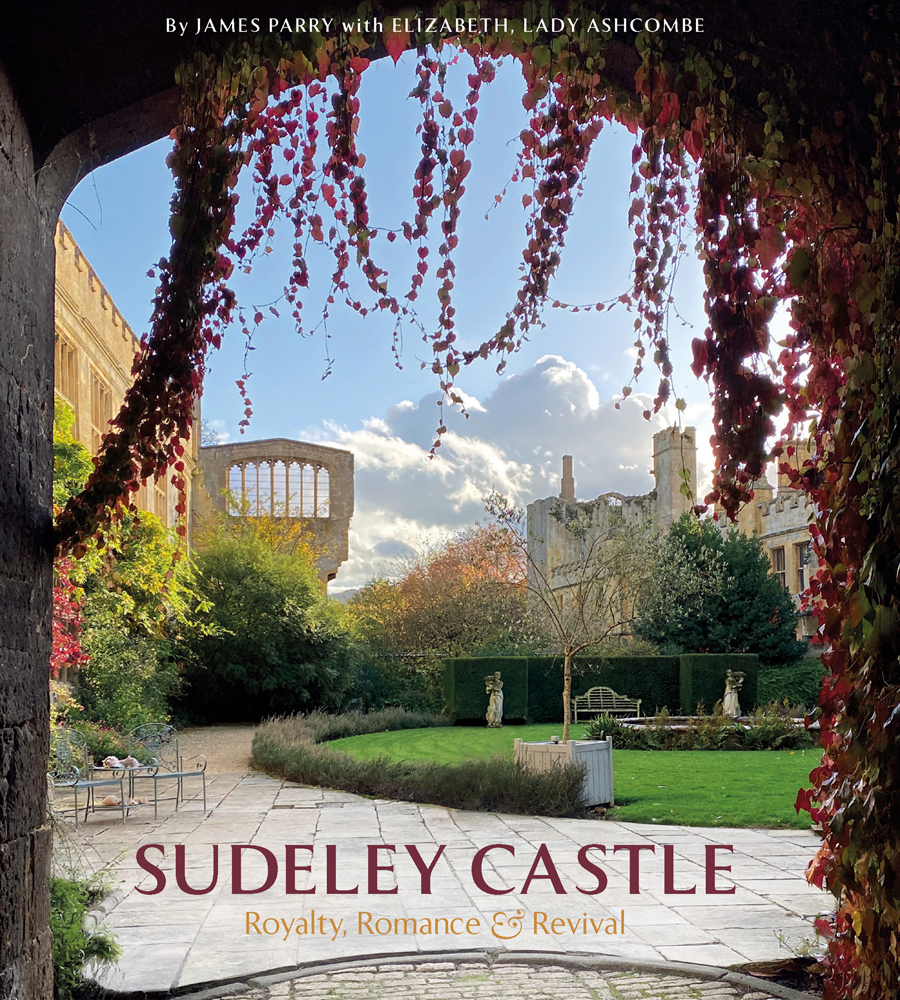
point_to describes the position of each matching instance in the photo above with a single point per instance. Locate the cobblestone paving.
(479, 981)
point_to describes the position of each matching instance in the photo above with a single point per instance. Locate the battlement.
(785, 500)
(78, 285)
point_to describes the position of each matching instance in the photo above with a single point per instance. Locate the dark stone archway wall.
(81, 84)
(62, 112)
(26, 396)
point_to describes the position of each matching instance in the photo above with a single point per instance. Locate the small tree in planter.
(590, 600)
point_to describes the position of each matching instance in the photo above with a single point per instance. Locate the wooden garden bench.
(604, 701)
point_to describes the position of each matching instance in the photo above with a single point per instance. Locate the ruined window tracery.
(295, 489)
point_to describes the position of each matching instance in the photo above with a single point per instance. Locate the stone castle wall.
(94, 352)
(558, 553)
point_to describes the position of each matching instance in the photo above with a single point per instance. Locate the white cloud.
(513, 442)
(216, 429)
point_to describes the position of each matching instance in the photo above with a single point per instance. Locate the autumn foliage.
(464, 595)
(68, 622)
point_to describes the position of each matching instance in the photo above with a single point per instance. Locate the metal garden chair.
(70, 766)
(156, 744)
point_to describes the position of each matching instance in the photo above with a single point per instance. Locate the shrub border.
(496, 785)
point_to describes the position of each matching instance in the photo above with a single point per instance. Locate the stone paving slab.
(182, 937)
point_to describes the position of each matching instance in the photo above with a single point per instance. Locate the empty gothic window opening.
(235, 488)
(322, 492)
(280, 489)
(295, 489)
(264, 489)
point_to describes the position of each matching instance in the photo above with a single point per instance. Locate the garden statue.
(730, 705)
(494, 687)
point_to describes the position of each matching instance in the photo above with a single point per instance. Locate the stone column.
(567, 483)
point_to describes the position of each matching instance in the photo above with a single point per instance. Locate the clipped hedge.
(533, 686)
(287, 748)
(703, 679)
(653, 679)
(798, 684)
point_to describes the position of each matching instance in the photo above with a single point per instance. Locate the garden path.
(226, 747)
(175, 940)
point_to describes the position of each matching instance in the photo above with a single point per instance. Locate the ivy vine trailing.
(794, 164)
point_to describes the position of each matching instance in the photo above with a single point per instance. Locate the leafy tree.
(594, 602)
(463, 596)
(141, 617)
(275, 643)
(715, 592)
(281, 532)
(123, 613)
(72, 462)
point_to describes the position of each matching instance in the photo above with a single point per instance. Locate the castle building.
(780, 518)
(557, 553)
(95, 348)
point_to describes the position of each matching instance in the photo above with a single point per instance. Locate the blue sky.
(556, 395)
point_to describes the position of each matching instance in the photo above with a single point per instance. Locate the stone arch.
(52, 135)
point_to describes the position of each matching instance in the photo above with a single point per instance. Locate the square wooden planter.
(596, 755)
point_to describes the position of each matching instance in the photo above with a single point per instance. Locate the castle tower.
(674, 464)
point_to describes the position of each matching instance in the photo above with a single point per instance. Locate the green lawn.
(690, 787)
